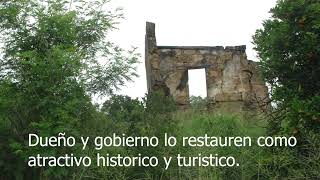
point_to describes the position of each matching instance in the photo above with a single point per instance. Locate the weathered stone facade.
(230, 77)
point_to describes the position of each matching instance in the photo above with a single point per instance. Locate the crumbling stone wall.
(230, 76)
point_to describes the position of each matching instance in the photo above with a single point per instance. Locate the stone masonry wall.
(230, 76)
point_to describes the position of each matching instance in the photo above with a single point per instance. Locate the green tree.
(55, 56)
(289, 49)
(122, 108)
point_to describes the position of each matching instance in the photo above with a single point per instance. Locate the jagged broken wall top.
(230, 76)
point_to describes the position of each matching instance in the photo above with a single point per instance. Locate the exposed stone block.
(189, 51)
(204, 51)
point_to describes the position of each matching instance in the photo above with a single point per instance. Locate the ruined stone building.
(230, 77)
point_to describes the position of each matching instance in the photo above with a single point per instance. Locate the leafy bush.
(288, 47)
(289, 52)
(48, 72)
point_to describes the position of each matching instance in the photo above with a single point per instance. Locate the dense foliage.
(289, 49)
(55, 56)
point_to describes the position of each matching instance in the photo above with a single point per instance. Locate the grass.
(255, 162)
(197, 123)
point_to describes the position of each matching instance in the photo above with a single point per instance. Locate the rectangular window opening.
(197, 82)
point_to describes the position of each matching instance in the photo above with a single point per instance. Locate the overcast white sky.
(188, 23)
